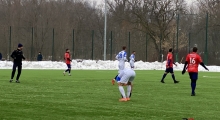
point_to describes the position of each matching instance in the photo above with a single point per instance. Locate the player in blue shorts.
(169, 67)
(192, 63)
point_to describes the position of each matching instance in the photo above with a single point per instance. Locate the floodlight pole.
(177, 37)
(105, 31)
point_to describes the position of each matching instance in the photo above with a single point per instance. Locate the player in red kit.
(169, 67)
(68, 62)
(192, 63)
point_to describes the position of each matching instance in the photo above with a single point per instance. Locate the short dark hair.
(171, 49)
(67, 49)
(195, 49)
(124, 47)
(133, 51)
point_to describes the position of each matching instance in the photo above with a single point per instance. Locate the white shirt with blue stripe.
(132, 58)
(122, 58)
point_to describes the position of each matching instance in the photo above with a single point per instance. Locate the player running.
(169, 67)
(132, 59)
(122, 58)
(68, 62)
(125, 77)
(192, 63)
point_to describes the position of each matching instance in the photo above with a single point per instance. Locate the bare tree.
(156, 18)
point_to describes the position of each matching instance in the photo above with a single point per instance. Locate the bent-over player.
(125, 78)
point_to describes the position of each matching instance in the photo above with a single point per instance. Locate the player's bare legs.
(122, 91)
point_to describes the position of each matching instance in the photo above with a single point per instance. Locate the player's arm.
(118, 78)
(169, 62)
(125, 57)
(13, 55)
(116, 57)
(23, 56)
(174, 63)
(185, 65)
(184, 68)
(203, 65)
(132, 58)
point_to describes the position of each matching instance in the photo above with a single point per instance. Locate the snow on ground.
(97, 65)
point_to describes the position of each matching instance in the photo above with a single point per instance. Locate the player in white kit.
(132, 59)
(122, 58)
(125, 78)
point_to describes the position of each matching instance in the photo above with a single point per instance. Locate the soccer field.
(89, 95)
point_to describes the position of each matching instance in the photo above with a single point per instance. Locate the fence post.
(177, 37)
(32, 42)
(9, 49)
(53, 46)
(129, 43)
(111, 47)
(206, 40)
(160, 47)
(173, 42)
(92, 44)
(189, 41)
(146, 45)
(73, 45)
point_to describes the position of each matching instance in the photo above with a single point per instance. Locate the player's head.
(20, 46)
(133, 52)
(195, 49)
(124, 48)
(171, 50)
(39, 53)
(67, 50)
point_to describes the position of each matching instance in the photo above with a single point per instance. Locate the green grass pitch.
(89, 95)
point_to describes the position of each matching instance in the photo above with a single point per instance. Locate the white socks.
(128, 91)
(121, 89)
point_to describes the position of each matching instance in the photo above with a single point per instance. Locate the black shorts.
(193, 75)
(169, 70)
(17, 64)
(68, 65)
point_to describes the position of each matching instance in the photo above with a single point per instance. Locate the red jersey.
(169, 60)
(67, 57)
(193, 60)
